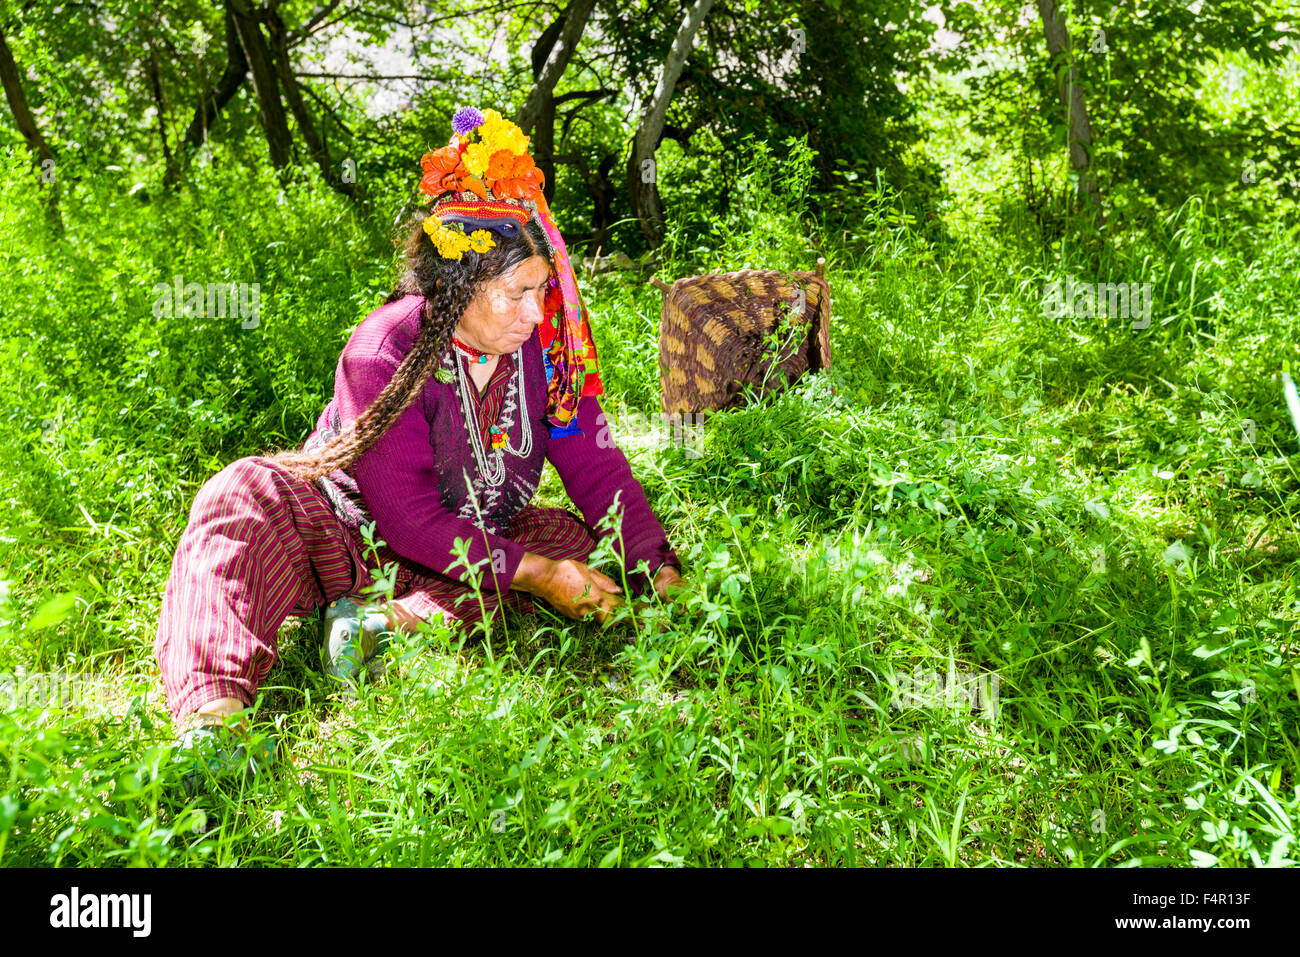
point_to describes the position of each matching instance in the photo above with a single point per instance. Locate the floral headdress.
(495, 187)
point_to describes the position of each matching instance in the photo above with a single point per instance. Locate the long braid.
(448, 287)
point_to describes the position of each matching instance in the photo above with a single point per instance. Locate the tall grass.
(1067, 512)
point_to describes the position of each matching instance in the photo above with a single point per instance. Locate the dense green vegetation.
(1091, 518)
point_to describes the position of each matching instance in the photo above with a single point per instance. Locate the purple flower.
(466, 118)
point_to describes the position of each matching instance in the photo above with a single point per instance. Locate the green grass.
(1068, 505)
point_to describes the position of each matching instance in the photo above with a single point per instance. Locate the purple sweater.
(412, 482)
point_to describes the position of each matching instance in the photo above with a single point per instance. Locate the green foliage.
(1181, 99)
(1093, 523)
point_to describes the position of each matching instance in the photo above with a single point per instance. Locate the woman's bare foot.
(215, 712)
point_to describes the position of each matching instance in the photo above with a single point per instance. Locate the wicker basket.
(713, 332)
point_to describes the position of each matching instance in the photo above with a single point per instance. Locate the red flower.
(443, 170)
(520, 179)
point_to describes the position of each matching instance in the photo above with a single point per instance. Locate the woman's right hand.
(573, 588)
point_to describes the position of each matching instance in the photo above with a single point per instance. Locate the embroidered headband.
(496, 188)
(500, 217)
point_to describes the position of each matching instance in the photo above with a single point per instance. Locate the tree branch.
(305, 29)
(362, 76)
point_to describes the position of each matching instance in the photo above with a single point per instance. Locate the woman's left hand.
(667, 577)
(666, 582)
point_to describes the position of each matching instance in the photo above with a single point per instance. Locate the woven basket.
(713, 332)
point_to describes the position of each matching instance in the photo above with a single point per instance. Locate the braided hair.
(448, 287)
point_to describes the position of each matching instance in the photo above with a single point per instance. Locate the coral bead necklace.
(480, 357)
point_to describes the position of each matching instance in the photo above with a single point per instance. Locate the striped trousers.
(262, 545)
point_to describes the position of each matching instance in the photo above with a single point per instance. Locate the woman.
(448, 400)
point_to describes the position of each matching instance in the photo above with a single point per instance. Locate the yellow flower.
(502, 134)
(476, 157)
(452, 243)
(511, 139)
(492, 122)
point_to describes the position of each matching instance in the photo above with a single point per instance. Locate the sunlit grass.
(972, 489)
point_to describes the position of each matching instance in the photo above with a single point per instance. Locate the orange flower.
(506, 175)
(522, 181)
(501, 165)
(443, 170)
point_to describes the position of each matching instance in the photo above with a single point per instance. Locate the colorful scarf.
(568, 349)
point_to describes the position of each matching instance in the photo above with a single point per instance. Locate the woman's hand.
(668, 578)
(668, 585)
(574, 588)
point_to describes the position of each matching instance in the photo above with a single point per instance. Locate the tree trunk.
(544, 146)
(306, 126)
(210, 104)
(551, 55)
(1067, 82)
(12, 80)
(538, 114)
(270, 109)
(643, 187)
(558, 51)
(602, 191)
(155, 86)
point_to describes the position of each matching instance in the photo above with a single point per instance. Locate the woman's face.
(503, 314)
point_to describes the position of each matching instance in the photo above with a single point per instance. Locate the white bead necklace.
(494, 473)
